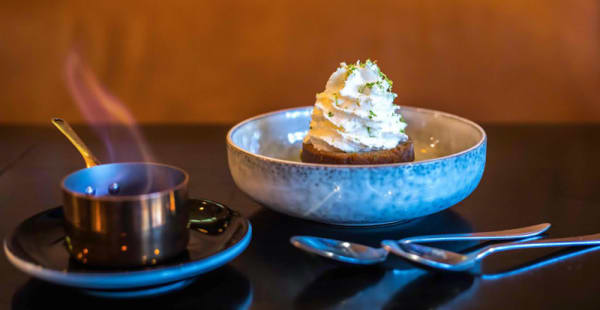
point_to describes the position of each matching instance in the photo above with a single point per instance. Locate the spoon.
(88, 157)
(355, 253)
(67, 130)
(452, 261)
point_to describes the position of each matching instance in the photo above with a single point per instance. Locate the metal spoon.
(355, 253)
(452, 261)
(67, 130)
(88, 157)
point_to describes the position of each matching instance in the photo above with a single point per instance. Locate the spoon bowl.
(343, 251)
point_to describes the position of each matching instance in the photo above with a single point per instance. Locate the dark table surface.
(534, 174)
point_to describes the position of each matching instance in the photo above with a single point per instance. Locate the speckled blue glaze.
(264, 161)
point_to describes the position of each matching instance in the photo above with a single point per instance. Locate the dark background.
(223, 61)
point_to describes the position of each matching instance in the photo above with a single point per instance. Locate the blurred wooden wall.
(223, 61)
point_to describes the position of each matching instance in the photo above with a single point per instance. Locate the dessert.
(355, 120)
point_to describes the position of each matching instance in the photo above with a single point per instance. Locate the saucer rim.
(129, 279)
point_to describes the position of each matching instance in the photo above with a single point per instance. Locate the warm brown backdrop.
(222, 61)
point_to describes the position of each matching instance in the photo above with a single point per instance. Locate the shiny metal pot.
(126, 214)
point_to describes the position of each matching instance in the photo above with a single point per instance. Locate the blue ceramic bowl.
(264, 160)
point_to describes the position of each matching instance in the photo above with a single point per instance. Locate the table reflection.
(225, 288)
(281, 272)
(337, 285)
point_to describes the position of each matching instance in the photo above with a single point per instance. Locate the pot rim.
(180, 186)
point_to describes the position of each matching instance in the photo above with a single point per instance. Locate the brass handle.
(65, 128)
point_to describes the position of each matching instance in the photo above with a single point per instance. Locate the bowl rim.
(314, 165)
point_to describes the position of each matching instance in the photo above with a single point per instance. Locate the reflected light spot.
(172, 202)
(297, 114)
(434, 142)
(294, 137)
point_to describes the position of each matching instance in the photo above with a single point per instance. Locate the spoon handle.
(67, 130)
(522, 232)
(585, 240)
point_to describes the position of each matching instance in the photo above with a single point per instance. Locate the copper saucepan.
(123, 214)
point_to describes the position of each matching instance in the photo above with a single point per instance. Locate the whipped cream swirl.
(356, 112)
